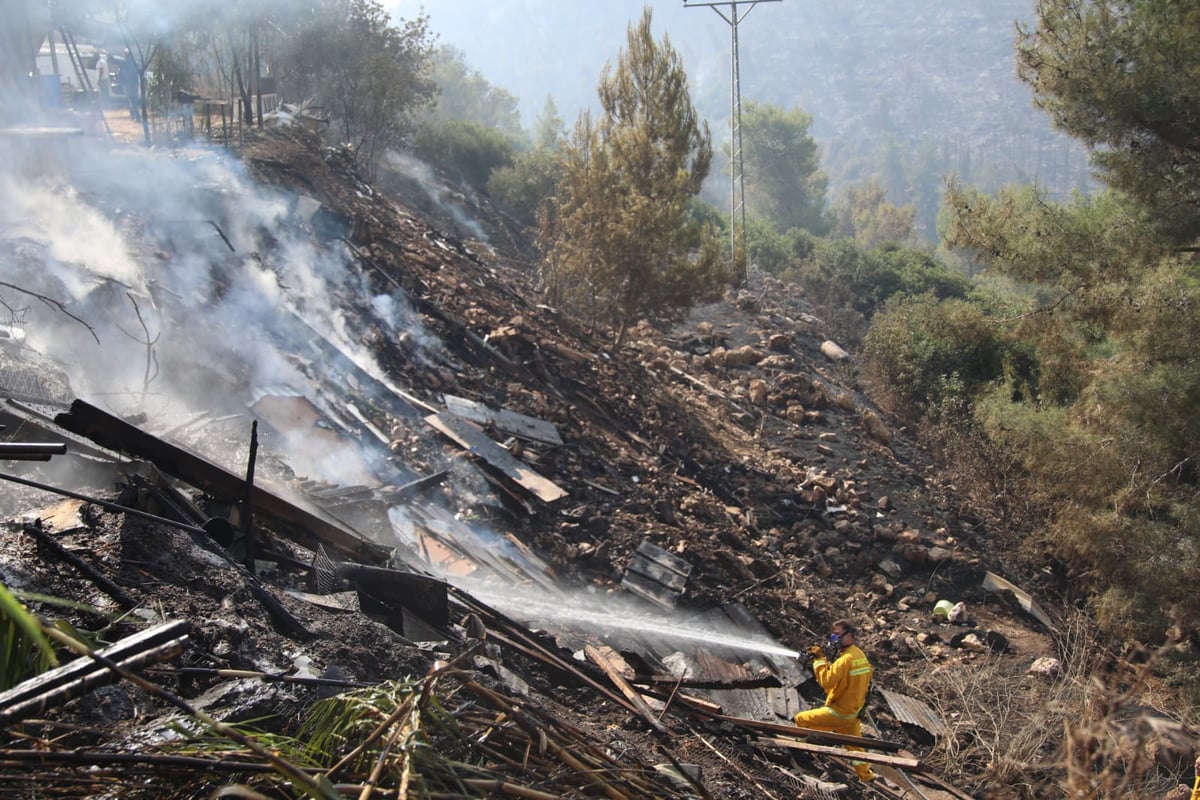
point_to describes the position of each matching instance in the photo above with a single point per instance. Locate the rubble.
(511, 475)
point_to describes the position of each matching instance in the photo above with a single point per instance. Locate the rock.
(890, 567)
(796, 414)
(777, 362)
(1045, 667)
(845, 401)
(779, 342)
(880, 585)
(876, 428)
(939, 554)
(741, 357)
(833, 351)
(757, 392)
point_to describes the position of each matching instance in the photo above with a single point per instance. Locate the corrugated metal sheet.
(914, 712)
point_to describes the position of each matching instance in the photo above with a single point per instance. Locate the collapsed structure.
(316, 445)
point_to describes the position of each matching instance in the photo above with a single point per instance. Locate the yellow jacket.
(1196, 788)
(845, 681)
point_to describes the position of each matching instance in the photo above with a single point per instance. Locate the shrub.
(466, 149)
(921, 351)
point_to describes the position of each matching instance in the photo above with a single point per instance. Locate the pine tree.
(1121, 75)
(620, 244)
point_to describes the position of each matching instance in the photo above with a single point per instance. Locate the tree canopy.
(620, 243)
(1121, 75)
(784, 182)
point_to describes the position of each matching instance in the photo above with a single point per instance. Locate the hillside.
(907, 91)
(284, 291)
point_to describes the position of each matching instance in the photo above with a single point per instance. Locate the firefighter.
(846, 681)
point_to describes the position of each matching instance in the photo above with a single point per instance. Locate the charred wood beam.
(285, 622)
(412, 489)
(758, 682)
(809, 733)
(118, 594)
(619, 681)
(93, 758)
(303, 527)
(53, 688)
(31, 451)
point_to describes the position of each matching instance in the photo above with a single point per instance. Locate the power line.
(737, 193)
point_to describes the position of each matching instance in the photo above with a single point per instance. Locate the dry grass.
(1089, 734)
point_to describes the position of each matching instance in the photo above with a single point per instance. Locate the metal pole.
(737, 188)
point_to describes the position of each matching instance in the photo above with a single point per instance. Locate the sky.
(569, 58)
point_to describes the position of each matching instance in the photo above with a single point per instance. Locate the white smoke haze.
(422, 174)
(230, 327)
(134, 226)
(76, 233)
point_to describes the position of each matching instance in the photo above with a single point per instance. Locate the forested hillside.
(908, 91)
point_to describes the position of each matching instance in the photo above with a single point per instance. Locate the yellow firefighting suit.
(845, 682)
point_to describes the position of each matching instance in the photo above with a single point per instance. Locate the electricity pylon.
(737, 193)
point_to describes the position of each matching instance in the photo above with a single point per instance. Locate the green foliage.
(1122, 77)
(24, 649)
(864, 214)
(464, 95)
(548, 128)
(774, 252)
(620, 242)
(523, 187)
(784, 183)
(842, 276)
(466, 149)
(1095, 423)
(921, 352)
(370, 76)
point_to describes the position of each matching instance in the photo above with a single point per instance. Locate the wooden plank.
(669, 578)
(900, 762)
(471, 438)
(630, 693)
(84, 673)
(668, 560)
(301, 526)
(811, 733)
(504, 420)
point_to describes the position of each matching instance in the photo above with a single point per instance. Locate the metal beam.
(737, 194)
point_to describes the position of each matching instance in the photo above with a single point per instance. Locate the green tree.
(784, 182)
(464, 95)
(370, 76)
(1121, 75)
(619, 243)
(469, 150)
(523, 188)
(865, 215)
(548, 128)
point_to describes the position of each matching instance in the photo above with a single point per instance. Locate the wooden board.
(471, 438)
(503, 420)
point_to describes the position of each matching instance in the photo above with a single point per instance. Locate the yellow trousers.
(826, 719)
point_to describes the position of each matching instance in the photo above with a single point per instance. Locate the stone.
(833, 351)
(876, 428)
(1045, 667)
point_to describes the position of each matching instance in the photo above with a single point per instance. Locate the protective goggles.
(834, 638)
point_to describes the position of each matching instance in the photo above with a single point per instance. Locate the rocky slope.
(738, 442)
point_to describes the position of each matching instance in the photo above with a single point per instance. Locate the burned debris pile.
(376, 521)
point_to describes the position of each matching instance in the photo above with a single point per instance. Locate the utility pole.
(737, 193)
